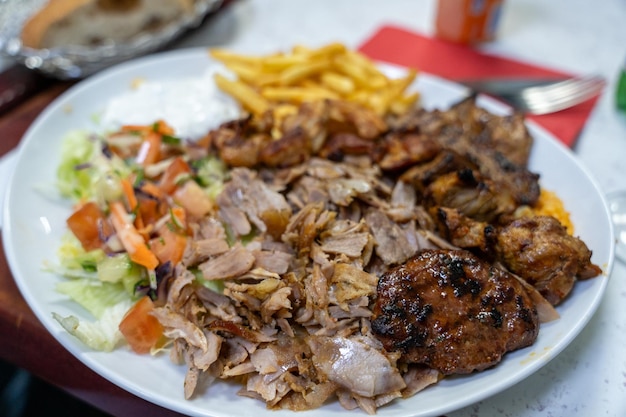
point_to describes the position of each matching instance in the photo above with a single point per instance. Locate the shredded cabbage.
(211, 174)
(83, 167)
(76, 150)
(73, 257)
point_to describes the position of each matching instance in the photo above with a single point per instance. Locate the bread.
(92, 22)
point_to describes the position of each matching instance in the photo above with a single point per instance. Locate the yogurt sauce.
(192, 106)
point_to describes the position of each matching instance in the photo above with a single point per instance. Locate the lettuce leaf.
(94, 296)
(102, 334)
(84, 168)
(76, 150)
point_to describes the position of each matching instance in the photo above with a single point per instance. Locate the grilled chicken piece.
(478, 237)
(452, 312)
(346, 116)
(498, 146)
(421, 175)
(505, 135)
(405, 150)
(540, 250)
(501, 154)
(238, 142)
(341, 144)
(472, 194)
(249, 142)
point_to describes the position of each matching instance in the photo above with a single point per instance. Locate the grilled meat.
(464, 232)
(472, 194)
(453, 312)
(481, 139)
(538, 249)
(353, 226)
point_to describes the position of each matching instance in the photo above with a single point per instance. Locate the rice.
(549, 204)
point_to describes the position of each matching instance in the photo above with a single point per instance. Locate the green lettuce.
(102, 334)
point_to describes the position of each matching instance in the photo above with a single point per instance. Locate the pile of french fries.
(281, 81)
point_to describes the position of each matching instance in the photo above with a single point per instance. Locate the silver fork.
(542, 99)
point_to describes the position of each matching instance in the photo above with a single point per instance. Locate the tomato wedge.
(84, 224)
(171, 241)
(173, 172)
(140, 328)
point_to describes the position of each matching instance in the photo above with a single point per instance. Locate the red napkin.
(456, 62)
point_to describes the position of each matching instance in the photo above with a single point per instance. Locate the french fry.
(280, 112)
(327, 50)
(245, 94)
(301, 50)
(295, 94)
(299, 72)
(282, 62)
(228, 56)
(376, 78)
(364, 62)
(283, 110)
(337, 82)
(303, 74)
(246, 73)
(398, 86)
(353, 71)
(403, 103)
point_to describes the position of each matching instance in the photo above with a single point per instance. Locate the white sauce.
(192, 106)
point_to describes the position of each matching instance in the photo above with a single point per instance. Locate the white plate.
(34, 221)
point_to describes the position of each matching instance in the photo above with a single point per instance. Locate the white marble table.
(580, 36)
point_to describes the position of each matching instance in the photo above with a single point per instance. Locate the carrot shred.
(162, 127)
(135, 128)
(152, 189)
(129, 193)
(150, 149)
(130, 237)
(133, 202)
(179, 216)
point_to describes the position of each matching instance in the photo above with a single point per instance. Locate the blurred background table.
(577, 36)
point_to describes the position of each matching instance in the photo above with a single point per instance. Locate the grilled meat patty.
(453, 312)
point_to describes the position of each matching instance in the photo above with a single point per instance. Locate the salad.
(118, 203)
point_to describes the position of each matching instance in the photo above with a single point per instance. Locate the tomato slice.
(171, 241)
(173, 172)
(140, 328)
(84, 224)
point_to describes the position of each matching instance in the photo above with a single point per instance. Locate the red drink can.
(467, 21)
